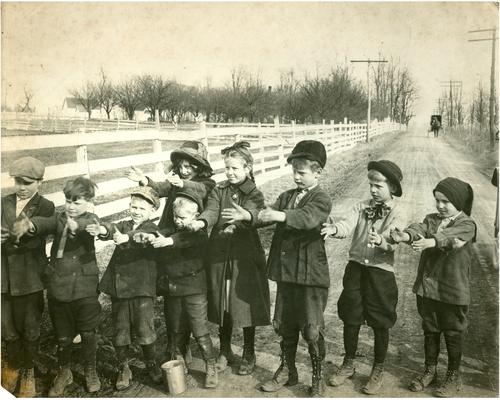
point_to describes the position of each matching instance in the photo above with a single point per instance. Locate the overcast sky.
(52, 47)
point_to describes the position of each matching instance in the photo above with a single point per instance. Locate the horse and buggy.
(435, 124)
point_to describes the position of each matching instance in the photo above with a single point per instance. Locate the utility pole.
(368, 114)
(493, 40)
(452, 85)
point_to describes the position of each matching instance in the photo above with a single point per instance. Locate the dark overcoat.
(131, 272)
(75, 275)
(297, 253)
(23, 264)
(239, 255)
(443, 272)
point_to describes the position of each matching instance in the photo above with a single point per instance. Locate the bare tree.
(154, 92)
(25, 106)
(106, 94)
(87, 96)
(128, 97)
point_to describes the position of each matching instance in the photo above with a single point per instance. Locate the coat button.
(367, 261)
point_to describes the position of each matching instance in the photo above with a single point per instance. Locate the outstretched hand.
(143, 237)
(422, 243)
(329, 228)
(270, 215)
(237, 213)
(120, 238)
(96, 229)
(162, 241)
(135, 174)
(174, 179)
(398, 235)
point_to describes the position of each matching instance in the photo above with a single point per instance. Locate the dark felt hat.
(391, 171)
(147, 193)
(28, 168)
(194, 151)
(311, 150)
(192, 194)
(459, 193)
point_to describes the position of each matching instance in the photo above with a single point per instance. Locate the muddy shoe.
(10, 377)
(344, 372)
(27, 386)
(211, 377)
(92, 380)
(247, 365)
(375, 382)
(154, 371)
(124, 377)
(423, 380)
(224, 360)
(282, 377)
(63, 379)
(451, 386)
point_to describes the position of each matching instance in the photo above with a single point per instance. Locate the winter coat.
(23, 265)
(443, 272)
(238, 256)
(297, 252)
(181, 267)
(132, 269)
(75, 275)
(201, 186)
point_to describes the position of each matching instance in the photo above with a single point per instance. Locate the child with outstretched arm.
(442, 285)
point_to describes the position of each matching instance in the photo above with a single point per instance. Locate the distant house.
(72, 108)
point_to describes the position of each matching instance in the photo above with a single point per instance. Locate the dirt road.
(424, 162)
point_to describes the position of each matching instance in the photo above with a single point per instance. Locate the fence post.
(203, 126)
(84, 125)
(54, 125)
(156, 150)
(331, 135)
(136, 124)
(83, 160)
(261, 150)
(294, 133)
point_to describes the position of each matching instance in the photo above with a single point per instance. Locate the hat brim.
(26, 178)
(308, 156)
(180, 153)
(190, 197)
(388, 174)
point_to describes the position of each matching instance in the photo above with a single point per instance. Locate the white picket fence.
(270, 146)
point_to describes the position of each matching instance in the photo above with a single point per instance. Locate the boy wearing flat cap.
(23, 262)
(183, 283)
(297, 262)
(442, 284)
(370, 293)
(130, 280)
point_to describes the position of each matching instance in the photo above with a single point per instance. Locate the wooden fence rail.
(270, 146)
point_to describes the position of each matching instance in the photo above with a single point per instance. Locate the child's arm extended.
(210, 215)
(246, 215)
(184, 239)
(456, 235)
(344, 225)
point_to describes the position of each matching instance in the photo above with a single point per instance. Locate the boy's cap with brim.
(147, 193)
(191, 194)
(28, 168)
(391, 171)
(194, 151)
(311, 150)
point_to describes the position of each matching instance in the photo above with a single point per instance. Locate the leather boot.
(154, 372)
(376, 380)
(27, 387)
(208, 354)
(10, 377)
(317, 383)
(124, 377)
(286, 374)
(451, 386)
(344, 372)
(226, 355)
(11, 367)
(91, 379)
(63, 379)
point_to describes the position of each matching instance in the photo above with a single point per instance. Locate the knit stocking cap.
(459, 193)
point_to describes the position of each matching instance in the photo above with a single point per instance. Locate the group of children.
(206, 259)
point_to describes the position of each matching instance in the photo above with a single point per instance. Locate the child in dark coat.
(130, 280)
(72, 278)
(182, 280)
(297, 262)
(238, 291)
(23, 262)
(442, 284)
(370, 292)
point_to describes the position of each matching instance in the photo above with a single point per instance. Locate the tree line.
(334, 95)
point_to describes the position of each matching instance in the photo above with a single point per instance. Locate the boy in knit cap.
(130, 280)
(23, 262)
(442, 285)
(297, 262)
(369, 291)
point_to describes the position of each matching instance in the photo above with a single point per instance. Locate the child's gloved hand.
(143, 237)
(174, 179)
(374, 239)
(422, 243)
(120, 238)
(135, 174)
(195, 225)
(228, 230)
(398, 235)
(237, 213)
(329, 228)
(162, 241)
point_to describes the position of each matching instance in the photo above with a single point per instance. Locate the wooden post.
(157, 119)
(70, 125)
(203, 127)
(157, 149)
(294, 134)
(83, 160)
(84, 125)
(118, 124)
(262, 152)
(136, 124)
(331, 136)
